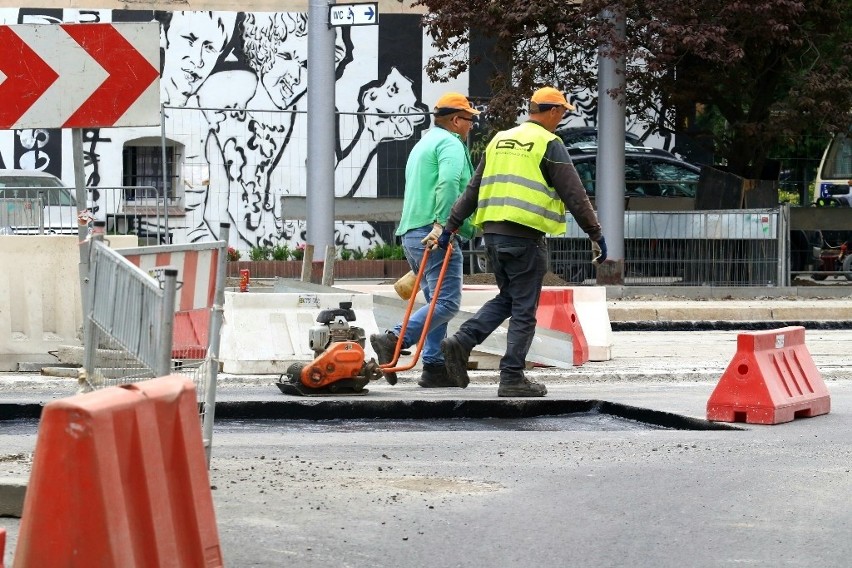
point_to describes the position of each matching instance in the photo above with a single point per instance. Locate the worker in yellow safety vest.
(518, 194)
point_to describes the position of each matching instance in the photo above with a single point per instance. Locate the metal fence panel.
(130, 325)
(692, 248)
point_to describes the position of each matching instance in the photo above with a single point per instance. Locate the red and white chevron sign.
(79, 75)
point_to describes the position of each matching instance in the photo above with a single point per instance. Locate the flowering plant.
(233, 254)
(299, 252)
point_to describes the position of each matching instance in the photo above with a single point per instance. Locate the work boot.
(455, 359)
(524, 387)
(435, 375)
(384, 344)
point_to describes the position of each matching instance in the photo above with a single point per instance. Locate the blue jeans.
(449, 297)
(519, 268)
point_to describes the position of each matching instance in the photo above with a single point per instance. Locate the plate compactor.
(339, 366)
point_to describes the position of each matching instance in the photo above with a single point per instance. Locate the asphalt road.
(594, 491)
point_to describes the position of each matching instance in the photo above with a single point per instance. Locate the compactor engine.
(339, 366)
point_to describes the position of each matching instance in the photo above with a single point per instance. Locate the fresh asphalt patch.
(511, 413)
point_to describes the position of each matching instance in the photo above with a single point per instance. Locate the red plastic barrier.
(191, 332)
(119, 478)
(771, 379)
(556, 311)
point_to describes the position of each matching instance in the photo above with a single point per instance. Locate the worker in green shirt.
(436, 173)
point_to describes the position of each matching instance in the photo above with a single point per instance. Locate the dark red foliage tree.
(769, 69)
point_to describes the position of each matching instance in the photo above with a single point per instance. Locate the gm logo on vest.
(509, 144)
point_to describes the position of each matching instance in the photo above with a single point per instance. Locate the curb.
(725, 325)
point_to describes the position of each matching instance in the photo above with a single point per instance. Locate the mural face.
(192, 43)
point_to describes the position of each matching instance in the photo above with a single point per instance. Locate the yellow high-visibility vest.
(513, 187)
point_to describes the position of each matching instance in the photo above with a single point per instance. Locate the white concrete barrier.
(40, 300)
(590, 305)
(265, 332)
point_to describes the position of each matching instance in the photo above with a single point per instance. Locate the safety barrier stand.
(129, 462)
(556, 311)
(771, 379)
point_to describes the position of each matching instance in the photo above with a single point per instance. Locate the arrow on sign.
(369, 13)
(27, 77)
(129, 74)
(79, 75)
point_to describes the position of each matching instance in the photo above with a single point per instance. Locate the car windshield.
(584, 139)
(50, 190)
(838, 162)
(646, 177)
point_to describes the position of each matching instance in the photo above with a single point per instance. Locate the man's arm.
(558, 168)
(466, 204)
(451, 163)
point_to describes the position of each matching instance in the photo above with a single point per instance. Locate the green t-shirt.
(436, 173)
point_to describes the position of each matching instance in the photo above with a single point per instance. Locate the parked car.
(22, 190)
(648, 172)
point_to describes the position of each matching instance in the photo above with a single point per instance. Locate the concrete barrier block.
(590, 304)
(12, 493)
(265, 332)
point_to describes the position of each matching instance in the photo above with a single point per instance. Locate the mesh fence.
(155, 311)
(686, 248)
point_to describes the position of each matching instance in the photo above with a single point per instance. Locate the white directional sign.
(79, 75)
(360, 14)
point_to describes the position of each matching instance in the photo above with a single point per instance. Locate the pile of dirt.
(550, 279)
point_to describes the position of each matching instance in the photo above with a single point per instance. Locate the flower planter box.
(267, 268)
(396, 268)
(343, 269)
(359, 268)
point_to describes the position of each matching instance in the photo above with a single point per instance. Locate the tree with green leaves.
(756, 73)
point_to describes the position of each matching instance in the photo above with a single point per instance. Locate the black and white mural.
(234, 90)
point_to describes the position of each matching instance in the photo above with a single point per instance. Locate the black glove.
(599, 249)
(445, 238)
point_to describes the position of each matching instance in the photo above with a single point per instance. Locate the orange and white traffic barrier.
(556, 311)
(119, 478)
(196, 266)
(771, 379)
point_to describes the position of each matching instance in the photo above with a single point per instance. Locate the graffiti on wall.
(247, 75)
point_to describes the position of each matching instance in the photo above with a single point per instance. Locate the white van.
(34, 202)
(834, 177)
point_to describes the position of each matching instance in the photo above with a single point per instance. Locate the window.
(838, 160)
(586, 171)
(143, 170)
(49, 190)
(674, 180)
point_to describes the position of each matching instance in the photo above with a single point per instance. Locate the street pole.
(610, 161)
(81, 197)
(321, 107)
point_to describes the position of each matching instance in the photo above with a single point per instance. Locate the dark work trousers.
(519, 266)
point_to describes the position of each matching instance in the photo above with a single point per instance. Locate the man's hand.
(431, 240)
(445, 238)
(599, 251)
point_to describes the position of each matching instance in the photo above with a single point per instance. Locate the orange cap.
(550, 96)
(452, 102)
